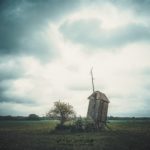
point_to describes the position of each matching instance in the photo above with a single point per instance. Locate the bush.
(89, 125)
(79, 125)
(83, 125)
(63, 127)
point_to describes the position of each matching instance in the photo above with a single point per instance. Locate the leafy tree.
(33, 117)
(62, 111)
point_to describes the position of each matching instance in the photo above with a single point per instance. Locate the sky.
(48, 47)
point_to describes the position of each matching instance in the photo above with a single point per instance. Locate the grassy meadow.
(39, 135)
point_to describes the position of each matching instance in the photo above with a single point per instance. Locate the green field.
(38, 135)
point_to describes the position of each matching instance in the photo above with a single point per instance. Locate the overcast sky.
(47, 48)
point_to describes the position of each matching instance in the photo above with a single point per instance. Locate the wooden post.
(92, 79)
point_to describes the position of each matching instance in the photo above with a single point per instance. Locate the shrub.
(78, 125)
(82, 124)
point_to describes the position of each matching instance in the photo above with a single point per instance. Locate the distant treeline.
(22, 118)
(36, 117)
(128, 118)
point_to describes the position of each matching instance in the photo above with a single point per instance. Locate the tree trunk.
(62, 120)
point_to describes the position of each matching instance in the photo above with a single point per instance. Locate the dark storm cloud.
(23, 32)
(23, 23)
(4, 111)
(6, 97)
(90, 33)
(10, 72)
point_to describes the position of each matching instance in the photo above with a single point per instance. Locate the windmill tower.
(98, 106)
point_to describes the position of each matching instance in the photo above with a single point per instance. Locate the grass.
(38, 135)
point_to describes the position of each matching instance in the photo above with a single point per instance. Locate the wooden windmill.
(98, 106)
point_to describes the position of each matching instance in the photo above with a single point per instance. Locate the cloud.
(10, 68)
(139, 7)
(13, 69)
(6, 95)
(24, 26)
(46, 53)
(18, 109)
(91, 34)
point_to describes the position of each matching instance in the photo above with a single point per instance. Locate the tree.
(62, 111)
(33, 117)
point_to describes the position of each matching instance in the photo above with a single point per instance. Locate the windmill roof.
(99, 96)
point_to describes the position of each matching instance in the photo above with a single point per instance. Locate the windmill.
(98, 106)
